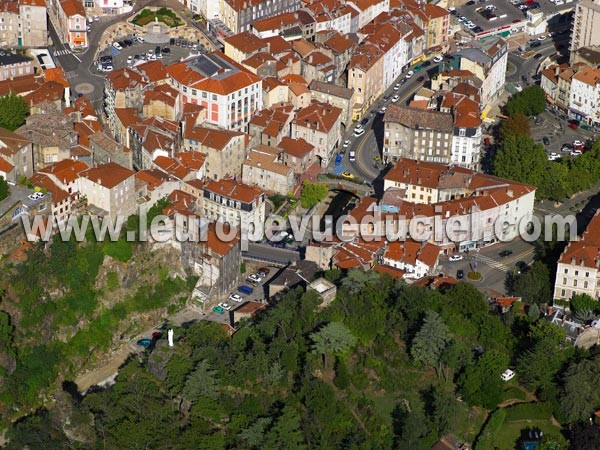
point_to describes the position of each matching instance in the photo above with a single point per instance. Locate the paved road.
(370, 145)
(529, 66)
(268, 253)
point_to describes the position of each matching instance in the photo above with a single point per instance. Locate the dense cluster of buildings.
(217, 133)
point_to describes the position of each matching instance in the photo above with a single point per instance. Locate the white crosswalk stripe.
(492, 263)
(61, 52)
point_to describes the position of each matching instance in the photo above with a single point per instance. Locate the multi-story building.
(369, 9)
(338, 96)
(319, 124)
(229, 93)
(416, 259)
(586, 32)
(23, 23)
(264, 168)
(232, 202)
(491, 208)
(424, 135)
(466, 133)
(225, 150)
(365, 76)
(584, 98)
(14, 65)
(242, 46)
(487, 61)
(238, 15)
(16, 156)
(110, 187)
(123, 88)
(433, 19)
(60, 180)
(73, 23)
(578, 269)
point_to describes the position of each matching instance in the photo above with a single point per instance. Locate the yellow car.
(347, 175)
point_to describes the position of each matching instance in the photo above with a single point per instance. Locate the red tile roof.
(108, 175)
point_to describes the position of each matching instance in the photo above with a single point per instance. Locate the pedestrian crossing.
(62, 52)
(492, 263)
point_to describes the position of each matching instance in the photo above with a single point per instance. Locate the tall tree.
(516, 125)
(530, 101)
(202, 382)
(13, 110)
(584, 307)
(520, 159)
(534, 285)
(4, 189)
(334, 338)
(430, 341)
(580, 395)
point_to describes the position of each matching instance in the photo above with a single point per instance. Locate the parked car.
(346, 143)
(505, 253)
(117, 46)
(420, 79)
(352, 157)
(338, 160)
(347, 175)
(140, 39)
(235, 298)
(359, 131)
(535, 44)
(566, 148)
(455, 258)
(578, 145)
(130, 60)
(225, 306)
(507, 375)
(395, 98)
(245, 289)
(264, 270)
(546, 140)
(166, 50)
(575, 152)
(218, 310)
(460, 274)
(409, 74)
(438, 59)
(553, 156)
(144, 342)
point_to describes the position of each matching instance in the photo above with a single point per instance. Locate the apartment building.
(487, 61)
(235, 203)
(13, 65)
(123, 88)
(578, 269)
(23, 23)
(319, 124)
(225, 150)
(238, 15)
(109, 187)
(229, 93)
(16, 156)
(424, 135)
(584, 98)
(264, 167)
(586, 32)
(415, 259)
(72, 22)
(60, 180)
(338, 96)
(369, 9)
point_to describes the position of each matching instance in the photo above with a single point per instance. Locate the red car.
(573, 126)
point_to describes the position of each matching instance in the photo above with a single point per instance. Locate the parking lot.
(505, 13)
(141, 50)
(259, 294)
(554, 127)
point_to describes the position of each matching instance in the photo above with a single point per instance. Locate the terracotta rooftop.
(418, 118)
(234, 190)
(108, 175)
(318, 116)
(246, 42)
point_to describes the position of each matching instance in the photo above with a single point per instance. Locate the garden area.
(164, 15)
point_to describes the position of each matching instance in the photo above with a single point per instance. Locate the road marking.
(62, 53)
(359, 149)
(491, 262)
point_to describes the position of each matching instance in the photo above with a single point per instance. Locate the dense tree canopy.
(13, 110)
(515, 125)
(529, 102)
(312, 193)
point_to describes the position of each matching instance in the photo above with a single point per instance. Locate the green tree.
(312, 193)
(430, 342)
(445, 408)
(534, 312)
(530, 101)
(13, 110)
(4, 189)
(202, 382)
(584, 307)
(534, 285)
(580, 395)
(516, 125)
(334, 338)
(286, 433)
(520, 159)
(480, 383)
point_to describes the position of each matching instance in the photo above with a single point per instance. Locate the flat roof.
(507, 14)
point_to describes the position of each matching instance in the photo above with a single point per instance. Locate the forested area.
(386, 366)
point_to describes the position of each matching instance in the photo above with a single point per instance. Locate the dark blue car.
(338, 160)
(245, 289)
